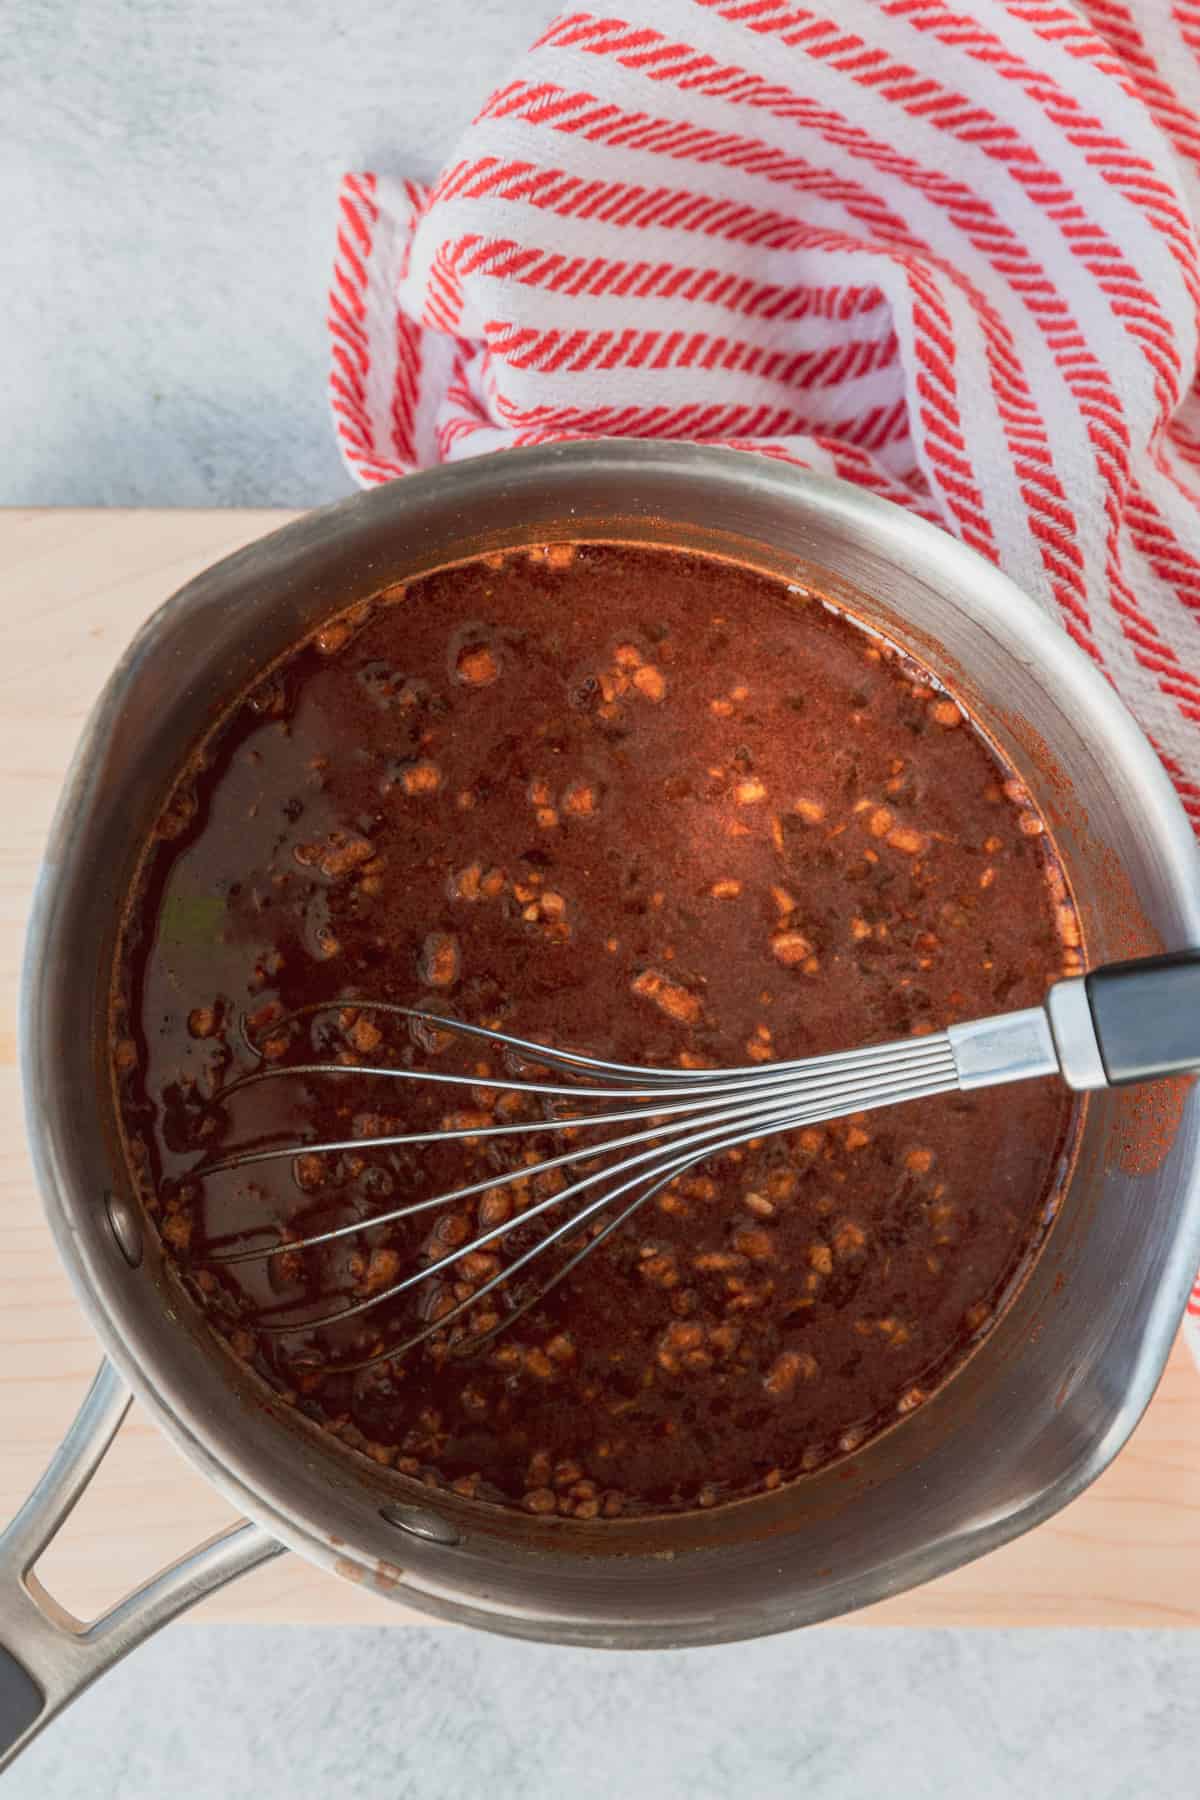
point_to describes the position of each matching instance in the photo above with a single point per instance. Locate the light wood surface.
(75, 585)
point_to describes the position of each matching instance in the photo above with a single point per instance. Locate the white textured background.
(168, 173)
(435, 1714)
(167, 179)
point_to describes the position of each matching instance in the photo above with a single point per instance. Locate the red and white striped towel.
(948, 251)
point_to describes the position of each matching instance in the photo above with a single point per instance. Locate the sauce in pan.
(648, 806)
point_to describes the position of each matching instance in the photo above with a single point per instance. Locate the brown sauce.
(654, 808)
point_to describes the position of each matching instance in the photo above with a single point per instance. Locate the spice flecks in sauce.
(655, 808)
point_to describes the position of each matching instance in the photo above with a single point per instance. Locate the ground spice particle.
(440, 960)
(422, 777)
(477, 666)
(1147, 1123)
(676, 1001)
(791, 948)
(650, 682)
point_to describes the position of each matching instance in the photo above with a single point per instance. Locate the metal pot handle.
(47, 1656)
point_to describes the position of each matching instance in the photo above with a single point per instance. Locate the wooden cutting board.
(75, 586)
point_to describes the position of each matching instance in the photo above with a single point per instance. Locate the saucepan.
(1037, 1413)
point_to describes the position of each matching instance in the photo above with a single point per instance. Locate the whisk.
(1127, 1022)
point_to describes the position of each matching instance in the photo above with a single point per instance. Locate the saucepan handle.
(48, 1657)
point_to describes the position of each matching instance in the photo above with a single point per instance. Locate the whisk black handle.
(1147, 1016)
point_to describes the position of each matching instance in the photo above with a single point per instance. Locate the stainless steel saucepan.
(1037, 1413)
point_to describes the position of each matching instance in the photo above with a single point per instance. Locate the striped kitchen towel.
(946, 250)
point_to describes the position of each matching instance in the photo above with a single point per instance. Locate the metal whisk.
(1128, 1022)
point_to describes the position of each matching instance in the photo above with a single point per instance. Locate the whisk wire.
(929, 1054)
(933, 1078)
(701, 1118)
